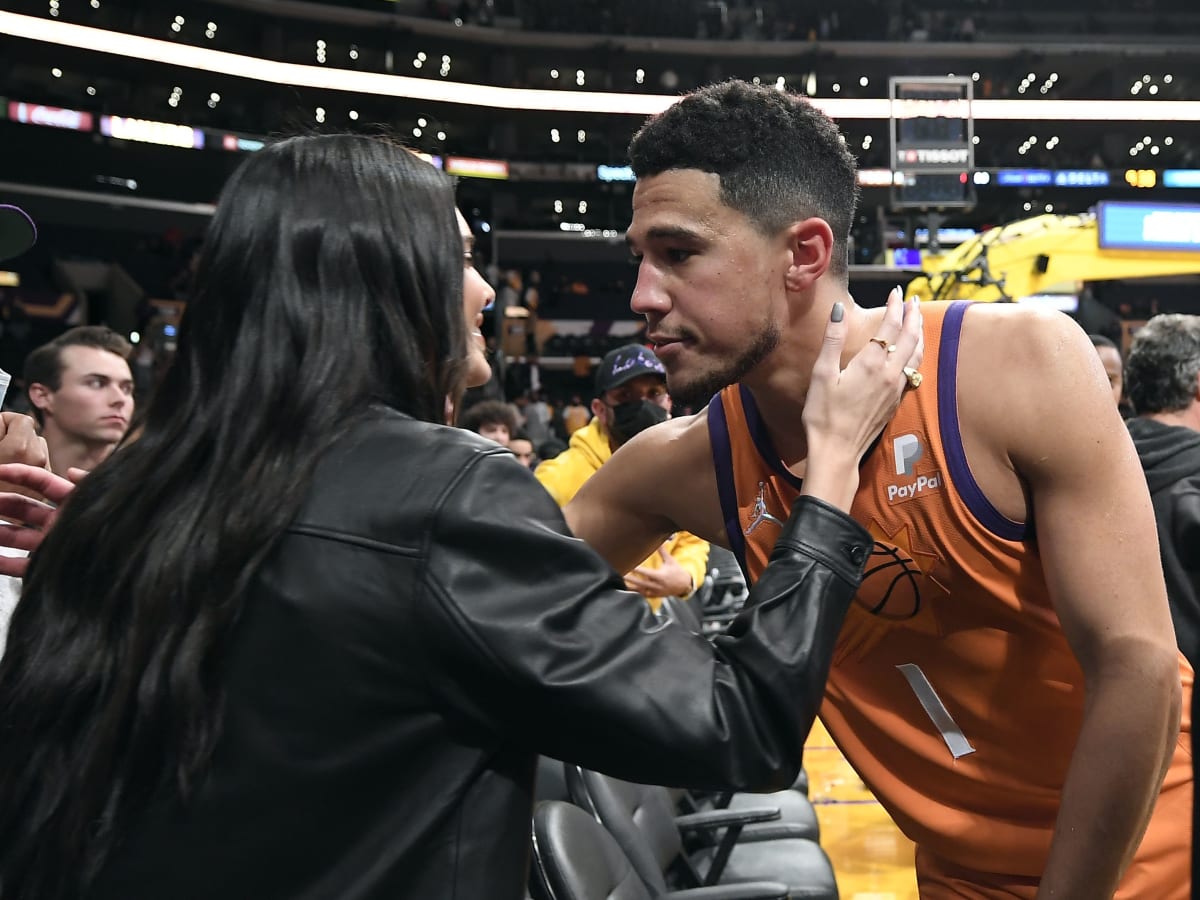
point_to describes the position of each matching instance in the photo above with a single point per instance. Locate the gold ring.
(887, 348)
(914, 377)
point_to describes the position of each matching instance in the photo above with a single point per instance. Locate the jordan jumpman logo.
(760, 513)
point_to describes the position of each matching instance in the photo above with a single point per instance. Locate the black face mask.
(633, 418)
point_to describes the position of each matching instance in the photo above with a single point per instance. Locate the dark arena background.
(1008, 150)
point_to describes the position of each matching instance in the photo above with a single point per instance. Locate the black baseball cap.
(17, 232)
(624, 364)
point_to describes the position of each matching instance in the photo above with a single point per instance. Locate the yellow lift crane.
(1041, 255)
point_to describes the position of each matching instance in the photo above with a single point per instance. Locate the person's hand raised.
(669, 580)
(28, 518)
(847, 408)
(20, 441)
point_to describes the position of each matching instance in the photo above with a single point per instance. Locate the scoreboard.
(932, 141)
(1148, 226)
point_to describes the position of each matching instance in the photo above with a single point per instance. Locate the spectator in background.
(1114, 368)
(1163, 374)
(493, 419)
(550, 448)
(575, 415)
(537, 414)
(631, 396)
(81, 389)
(17, 235)
(522, 448)
(1164, 387)
(19, 441)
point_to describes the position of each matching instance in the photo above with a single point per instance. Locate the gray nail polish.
(839, 312)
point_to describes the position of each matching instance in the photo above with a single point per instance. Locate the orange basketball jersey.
(953, 691)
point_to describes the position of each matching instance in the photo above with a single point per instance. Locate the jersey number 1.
(936, 710)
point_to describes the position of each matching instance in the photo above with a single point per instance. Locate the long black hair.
(330, 281)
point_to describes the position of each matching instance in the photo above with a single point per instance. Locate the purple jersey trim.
(762, 440)
(956, 458)
(766, 449)
(722, 451)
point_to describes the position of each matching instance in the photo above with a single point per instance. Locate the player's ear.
(810, 246)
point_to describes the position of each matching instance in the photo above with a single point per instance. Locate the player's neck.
(780, 387)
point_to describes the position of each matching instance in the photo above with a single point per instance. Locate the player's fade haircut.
(779, 158)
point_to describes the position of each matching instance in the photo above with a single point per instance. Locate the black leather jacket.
(424, 629)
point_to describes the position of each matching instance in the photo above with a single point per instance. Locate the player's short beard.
(700, 388)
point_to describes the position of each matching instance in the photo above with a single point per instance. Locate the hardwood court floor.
(871, 858)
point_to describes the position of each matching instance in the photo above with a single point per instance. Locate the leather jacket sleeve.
(529, 635)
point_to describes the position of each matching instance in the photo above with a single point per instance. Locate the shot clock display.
(932, 144)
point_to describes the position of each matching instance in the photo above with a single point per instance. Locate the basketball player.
(1008, 683)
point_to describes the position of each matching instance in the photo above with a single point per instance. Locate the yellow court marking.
(871, 858)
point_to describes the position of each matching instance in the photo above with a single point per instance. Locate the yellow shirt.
(565, 474)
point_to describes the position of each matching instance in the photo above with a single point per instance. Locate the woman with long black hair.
(301, 639)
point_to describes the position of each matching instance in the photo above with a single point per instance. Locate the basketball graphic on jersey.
(891, 587)
(896, 585)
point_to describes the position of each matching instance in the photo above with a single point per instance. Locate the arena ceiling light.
(1086, 110)
(324, 78)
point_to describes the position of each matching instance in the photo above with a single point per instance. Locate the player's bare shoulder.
(671, 469)
(1008, 348)
(1025, 379)
(671, 453)
(679, 436)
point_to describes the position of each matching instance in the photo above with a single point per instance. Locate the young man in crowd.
(494, 419)
(81, 389)
(630, 396)
(1114, 368)
(1007, 683)
(522, 448)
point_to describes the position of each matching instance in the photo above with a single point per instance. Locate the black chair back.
(642, 821)
(683, 613)
(551, 783)
(574, 858)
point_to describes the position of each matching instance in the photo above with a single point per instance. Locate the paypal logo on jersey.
(907, 450)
